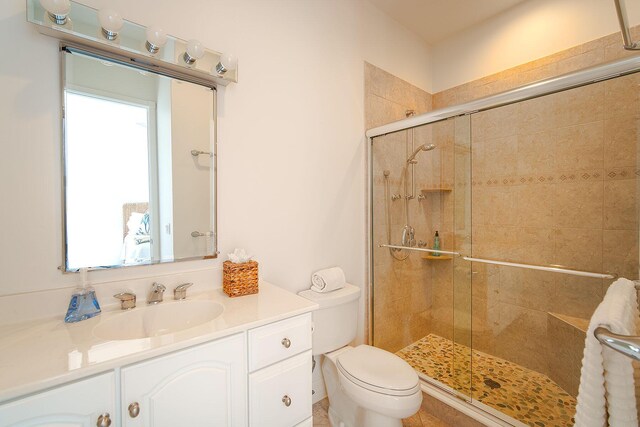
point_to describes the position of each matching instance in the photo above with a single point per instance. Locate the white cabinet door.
(280, 395)
(72, 405)
(200, 386)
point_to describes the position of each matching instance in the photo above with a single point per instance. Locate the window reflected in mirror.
(134, 191)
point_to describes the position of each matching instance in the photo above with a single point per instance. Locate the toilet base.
(344, 411)
(363, 418)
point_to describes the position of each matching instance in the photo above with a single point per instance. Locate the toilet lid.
(378, 370)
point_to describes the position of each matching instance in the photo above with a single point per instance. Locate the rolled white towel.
(327, 280)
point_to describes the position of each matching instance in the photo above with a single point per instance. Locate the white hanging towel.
(607, 377)
(327, 280)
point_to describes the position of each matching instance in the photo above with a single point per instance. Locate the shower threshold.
(494, 383)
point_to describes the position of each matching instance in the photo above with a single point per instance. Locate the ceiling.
(435, 20)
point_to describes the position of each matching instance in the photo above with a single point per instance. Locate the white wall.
(528, 31)
(291, 134)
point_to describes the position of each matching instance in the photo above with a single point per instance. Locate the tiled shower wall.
(402, 299)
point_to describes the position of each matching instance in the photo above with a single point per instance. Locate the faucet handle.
(180, 292)
(127, 300)
(158, 287)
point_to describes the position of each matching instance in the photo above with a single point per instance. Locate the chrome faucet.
(156, 294)
(180, 292)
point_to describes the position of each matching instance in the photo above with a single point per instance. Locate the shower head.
(423, 147)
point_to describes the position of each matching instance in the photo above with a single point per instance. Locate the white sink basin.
(155, 320)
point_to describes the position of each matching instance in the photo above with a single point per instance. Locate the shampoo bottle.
(436, 244)
(84, 304)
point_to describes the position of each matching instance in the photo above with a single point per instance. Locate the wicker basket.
(240, 279)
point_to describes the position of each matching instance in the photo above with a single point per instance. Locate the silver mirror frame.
(119, 58)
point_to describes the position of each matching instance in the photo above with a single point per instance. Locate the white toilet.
(366, 386)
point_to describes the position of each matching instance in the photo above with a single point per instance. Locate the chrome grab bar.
(508, 264)
(544, 268)
(627, 345)
(411, 248)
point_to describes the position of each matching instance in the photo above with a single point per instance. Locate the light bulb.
(156, 38)
(57, 10)
(111, 22)
(227, 63)
(195, 51)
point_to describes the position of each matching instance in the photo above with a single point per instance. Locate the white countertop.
(41, 354)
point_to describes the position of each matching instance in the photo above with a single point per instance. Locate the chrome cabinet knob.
(286, 342)
(104, 420)
(286, 400)
(134, 409)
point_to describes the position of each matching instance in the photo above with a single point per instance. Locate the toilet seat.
(378, 371)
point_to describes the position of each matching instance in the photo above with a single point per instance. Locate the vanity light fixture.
(111, 22)
(156, 38)
(227, 63)
(57, 10)
(195, 51)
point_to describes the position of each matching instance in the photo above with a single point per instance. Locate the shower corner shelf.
(437, 190)
(437, 258)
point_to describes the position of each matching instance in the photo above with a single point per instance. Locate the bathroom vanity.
(250, 365)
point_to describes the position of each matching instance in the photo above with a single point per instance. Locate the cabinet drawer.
(277, 341)
(280, 395)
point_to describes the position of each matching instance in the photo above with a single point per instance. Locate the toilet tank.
(336, 321)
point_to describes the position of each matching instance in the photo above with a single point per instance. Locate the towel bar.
(627, 345)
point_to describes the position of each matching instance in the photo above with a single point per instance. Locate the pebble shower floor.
(525, 395)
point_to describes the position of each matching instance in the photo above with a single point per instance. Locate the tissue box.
(240, 279)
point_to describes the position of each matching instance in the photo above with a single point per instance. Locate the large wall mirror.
(139, 165)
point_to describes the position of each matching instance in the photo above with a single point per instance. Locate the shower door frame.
(598, 73)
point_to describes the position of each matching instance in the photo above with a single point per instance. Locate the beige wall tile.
(496, 123)
(620, 204)
(537, 115)
(579, 248)
(566, 345)
(526, 288)
(521, 336)
(579, 204)
(535, 205)
(536, 153)
(576, 296)
(621, 142)
(622, 96)
(581, 105)
(620, 253)
(583, 60)
(579, 147)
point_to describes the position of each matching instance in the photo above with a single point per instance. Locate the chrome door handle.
(286, 400)
(286, 342)
(134, 409)
(104, 420)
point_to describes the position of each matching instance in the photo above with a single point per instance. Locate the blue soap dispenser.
(84, 304)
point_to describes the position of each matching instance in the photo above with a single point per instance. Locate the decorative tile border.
(557, 177)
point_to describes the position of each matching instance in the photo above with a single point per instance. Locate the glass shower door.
(555, 183)
(421, 184)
